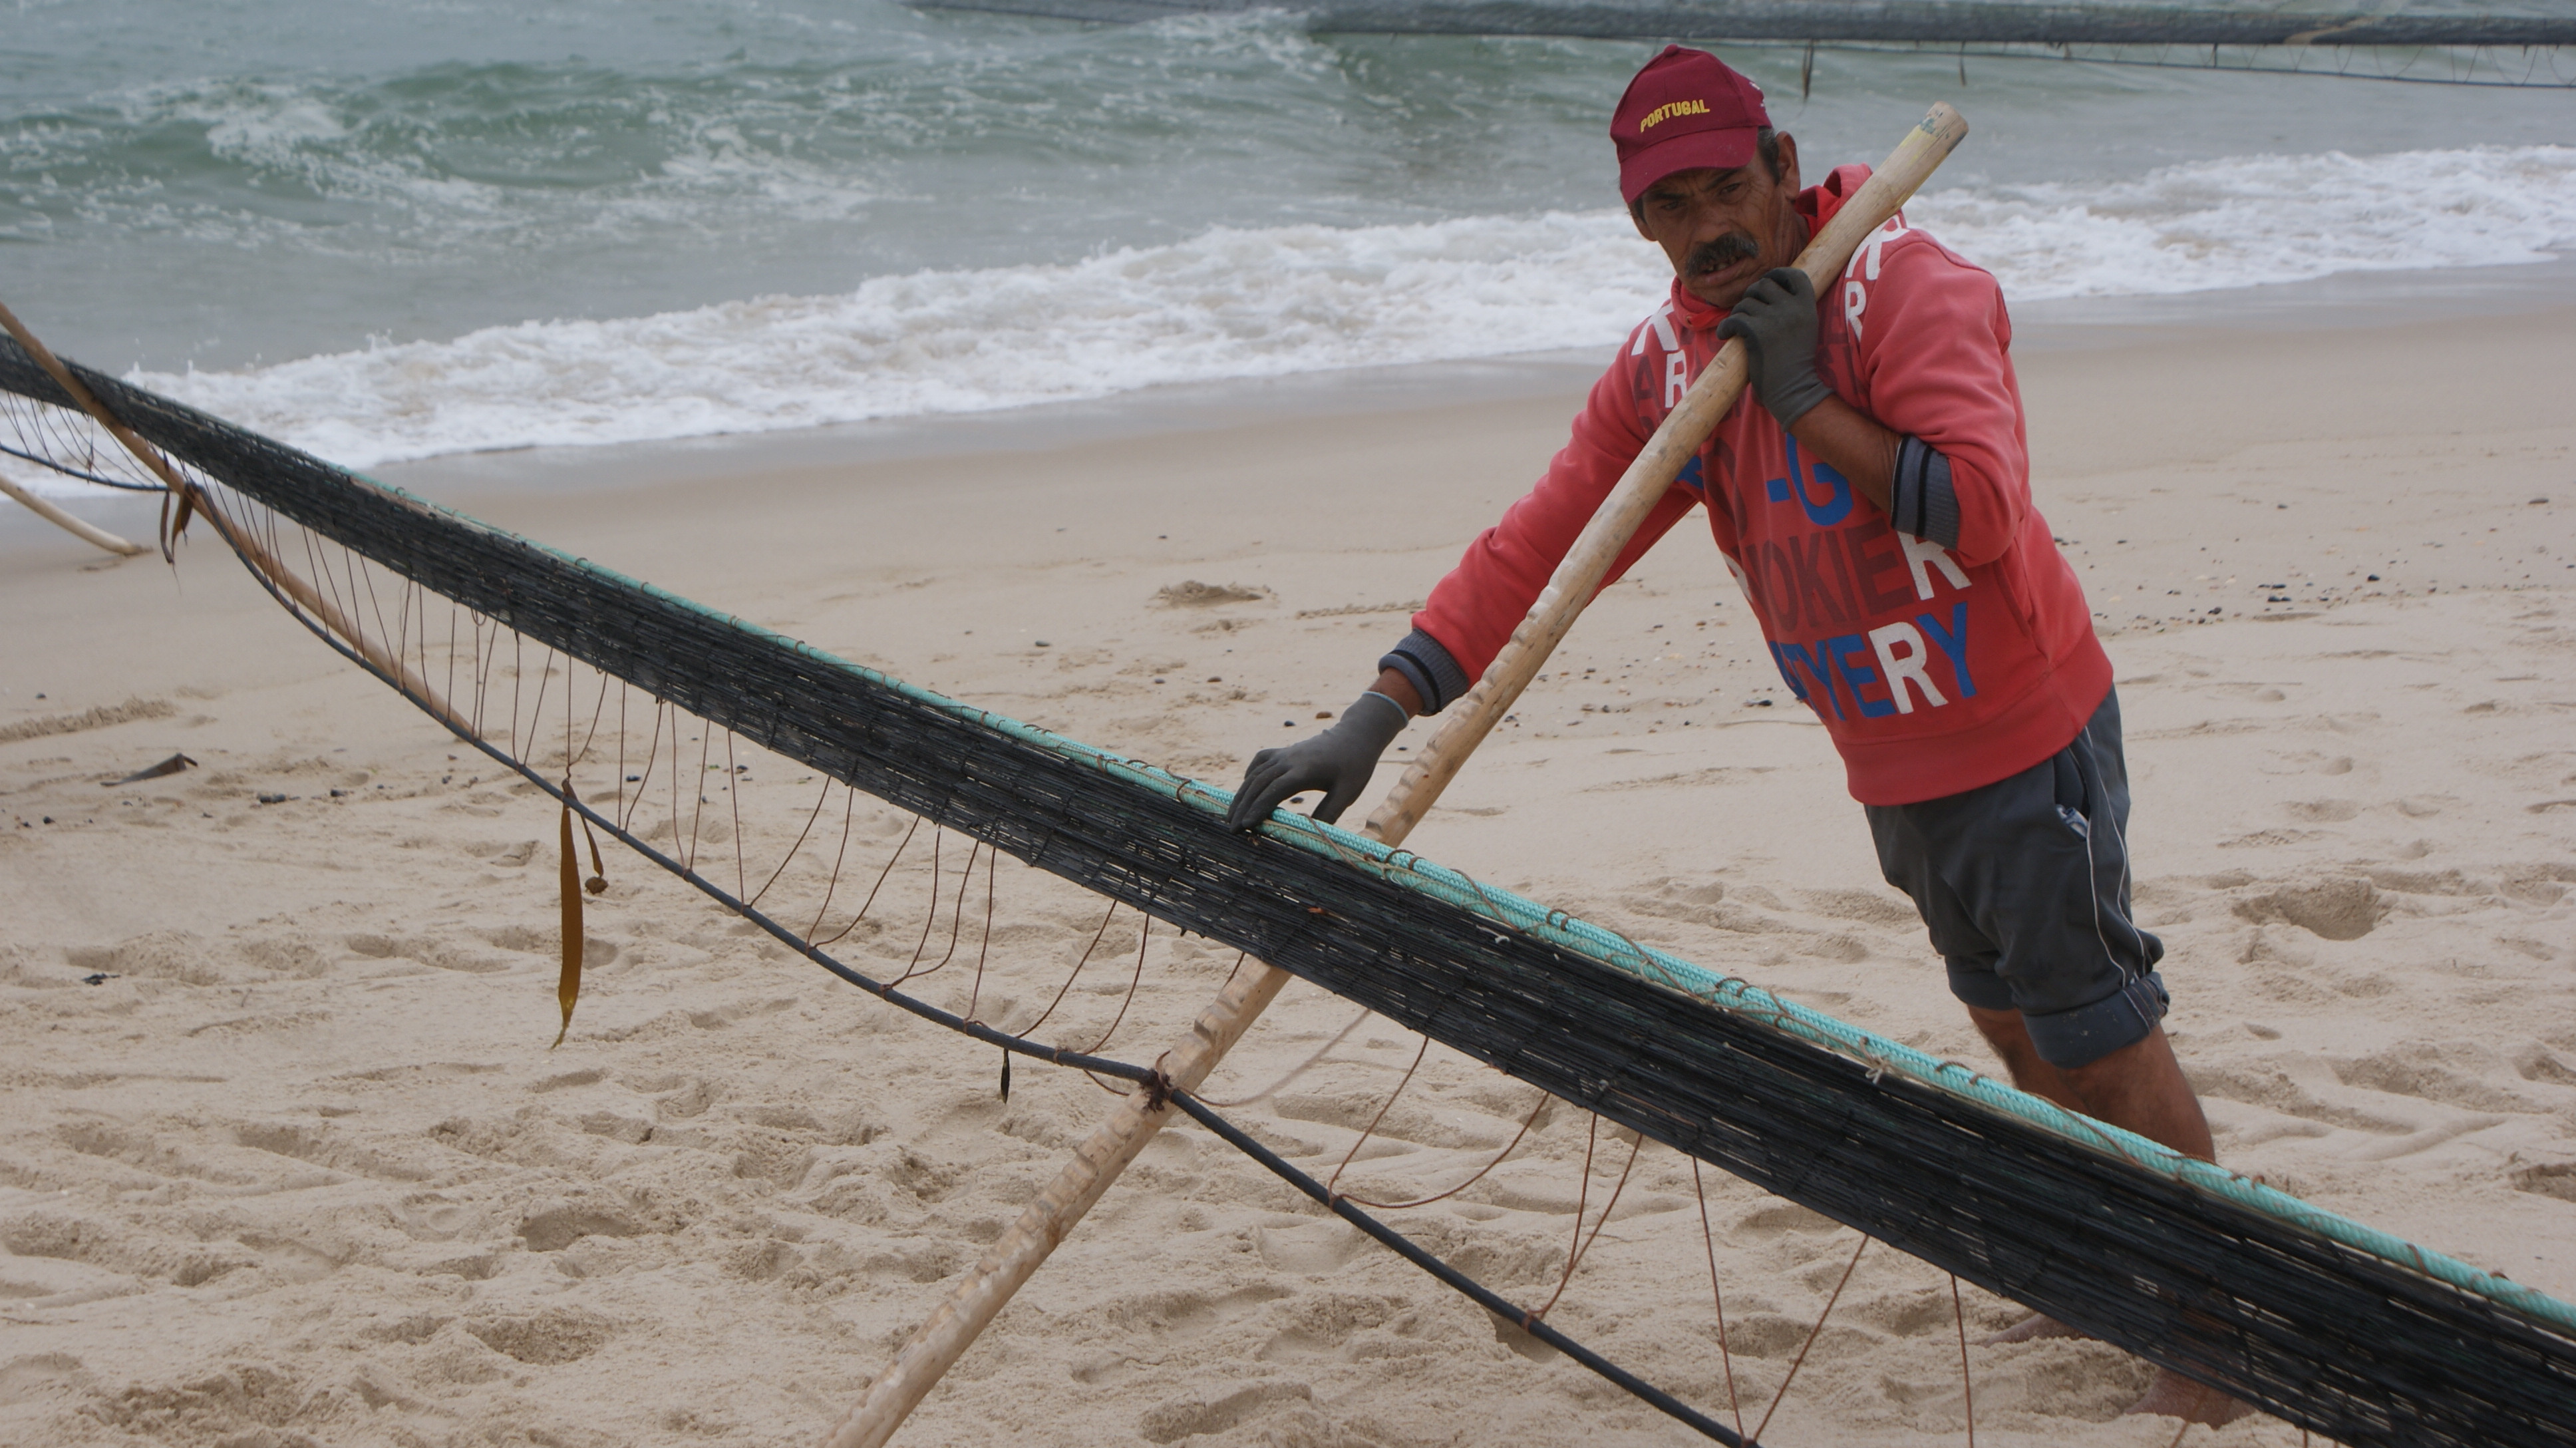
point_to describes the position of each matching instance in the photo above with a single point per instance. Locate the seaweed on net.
(2328, 1324)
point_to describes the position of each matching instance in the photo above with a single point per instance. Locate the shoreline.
(2337, 302)
(2327, 304)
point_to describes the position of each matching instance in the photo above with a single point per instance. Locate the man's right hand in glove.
(1337, 761)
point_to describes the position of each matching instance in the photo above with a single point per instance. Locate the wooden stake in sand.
(190, 498)
(946, 1334)
(65, 521)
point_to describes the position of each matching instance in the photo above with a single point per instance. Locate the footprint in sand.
(546, 1338)
(1190, 593)
(2336, 909)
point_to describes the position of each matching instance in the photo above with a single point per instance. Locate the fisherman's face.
(1724, 229)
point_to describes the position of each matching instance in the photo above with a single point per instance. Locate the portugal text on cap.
(1669, 110)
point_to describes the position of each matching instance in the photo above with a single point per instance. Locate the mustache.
(1726, 251)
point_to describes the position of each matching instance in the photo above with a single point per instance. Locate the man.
(1872, 497)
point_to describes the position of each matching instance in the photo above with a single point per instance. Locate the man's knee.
(2004, 1030)
(2001, 1028)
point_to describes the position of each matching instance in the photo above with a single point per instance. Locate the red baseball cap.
(1686, 110)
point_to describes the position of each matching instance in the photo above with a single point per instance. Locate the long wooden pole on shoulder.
(945, 1335)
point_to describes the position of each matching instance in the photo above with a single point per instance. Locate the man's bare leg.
(2005, 1032)
(2140, 1088)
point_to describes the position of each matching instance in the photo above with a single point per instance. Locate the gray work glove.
(1337, 761)
(1777, 320)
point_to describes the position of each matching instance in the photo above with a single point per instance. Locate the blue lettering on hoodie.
(1844, 649)
(1819, 666)
(1953, 642)
(1838, 496)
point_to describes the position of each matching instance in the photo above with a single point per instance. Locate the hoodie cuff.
(1921, 500)
(1429, 669)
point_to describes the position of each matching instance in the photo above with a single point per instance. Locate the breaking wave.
(1256, 302)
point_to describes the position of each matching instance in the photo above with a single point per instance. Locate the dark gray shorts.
(2024, 884)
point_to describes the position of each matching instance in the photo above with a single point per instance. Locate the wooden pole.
(69, 524)
(293, 586)
(945, 1335)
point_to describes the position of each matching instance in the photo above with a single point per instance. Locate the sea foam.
(1243, 303)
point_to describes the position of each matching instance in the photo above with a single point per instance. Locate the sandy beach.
(286, 1159)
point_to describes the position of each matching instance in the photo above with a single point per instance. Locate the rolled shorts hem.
(2086, 1034)
(1975, 983)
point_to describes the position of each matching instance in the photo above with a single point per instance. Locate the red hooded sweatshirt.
(1936, 669)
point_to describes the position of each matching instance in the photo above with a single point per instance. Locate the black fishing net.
(2428, 46)
(1933, 21)
(2339, 1340)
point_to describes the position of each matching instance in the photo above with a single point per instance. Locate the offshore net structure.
(2424, 45)
(2341, 1329)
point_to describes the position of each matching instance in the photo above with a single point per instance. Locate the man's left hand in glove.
(1777, 320)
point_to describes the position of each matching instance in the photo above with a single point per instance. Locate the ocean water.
(397, 230)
